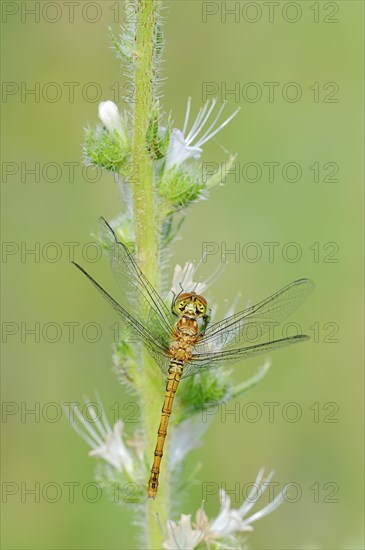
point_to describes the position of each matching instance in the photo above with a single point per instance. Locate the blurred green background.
(231, 52)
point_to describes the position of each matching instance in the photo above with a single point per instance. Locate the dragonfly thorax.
(184, 338)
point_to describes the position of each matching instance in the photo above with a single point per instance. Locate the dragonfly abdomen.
(172, 383)
(181, 348)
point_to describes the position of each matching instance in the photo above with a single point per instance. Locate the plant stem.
(147, 237)
(143, 191)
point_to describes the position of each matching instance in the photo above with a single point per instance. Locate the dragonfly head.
(191, 304)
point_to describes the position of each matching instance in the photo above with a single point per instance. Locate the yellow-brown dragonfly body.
(179, 338)
(184, 338)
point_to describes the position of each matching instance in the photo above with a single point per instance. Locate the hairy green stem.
(147, 237)
(143, 190)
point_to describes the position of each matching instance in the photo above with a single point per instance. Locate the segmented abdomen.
(172, 383)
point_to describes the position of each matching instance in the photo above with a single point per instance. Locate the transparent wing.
(201, 362)
(138, 295)
(153, 343)
(248, 326)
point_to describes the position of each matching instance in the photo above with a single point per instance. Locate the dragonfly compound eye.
(201, 308)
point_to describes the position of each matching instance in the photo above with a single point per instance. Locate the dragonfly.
(181, 339)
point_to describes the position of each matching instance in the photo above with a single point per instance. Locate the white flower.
(181, 535)
(182, 148)
(114, 451)
(179, 150)
(106, 443)
(183, 280)
(227, 526)
(111, 118)
(230, 522)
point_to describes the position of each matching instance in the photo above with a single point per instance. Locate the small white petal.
(94, 415)
(255, 493)
(181, 535)
(201, 122)
(267, 509)
(228, 521)
(179, 151)
(183, 280)
(88, 427)
(114, 451)
(110, 116)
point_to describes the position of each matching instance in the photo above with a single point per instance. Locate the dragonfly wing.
(138, 295)
(249, 325)
(154, 345)
(201, 362)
